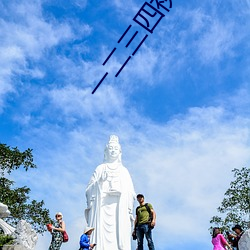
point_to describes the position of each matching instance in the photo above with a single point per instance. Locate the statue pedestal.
(13, 247)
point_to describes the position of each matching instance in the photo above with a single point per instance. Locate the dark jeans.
(142, 230)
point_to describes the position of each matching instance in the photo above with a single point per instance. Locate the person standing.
(56, 231)
(239, 231)
(85, 239)
(218, 240)
(143, 225)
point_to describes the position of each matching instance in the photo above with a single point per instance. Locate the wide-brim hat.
(87, 229)
(237, 227)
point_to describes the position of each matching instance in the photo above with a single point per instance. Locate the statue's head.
(4, 211)
(113, 150)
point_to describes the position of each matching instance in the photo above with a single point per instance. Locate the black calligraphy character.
(148, 20)
(159, 4)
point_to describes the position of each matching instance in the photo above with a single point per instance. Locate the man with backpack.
(144, 223)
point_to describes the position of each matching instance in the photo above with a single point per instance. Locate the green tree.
(17, 199)
(235, 206)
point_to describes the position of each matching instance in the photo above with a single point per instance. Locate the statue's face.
(113, 150)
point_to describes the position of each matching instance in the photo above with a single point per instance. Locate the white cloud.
(80, 102)
(25, 35)
(203, 33)
(80, 3)
(126, 11)
(32, 33)
(240, 101)
(217, 42)
(143, 67)
(198, 19)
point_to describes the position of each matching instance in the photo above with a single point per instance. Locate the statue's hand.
(90, 202)
(104, 176)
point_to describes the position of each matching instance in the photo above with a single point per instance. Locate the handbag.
(65, 236)
(49, 227)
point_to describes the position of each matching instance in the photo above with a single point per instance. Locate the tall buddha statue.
(110, 197)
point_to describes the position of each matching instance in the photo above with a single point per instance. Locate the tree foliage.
(17, 199)
(6, 239)
(235, 206)
(12, 159)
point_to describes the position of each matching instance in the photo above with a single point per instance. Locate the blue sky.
(180, 106)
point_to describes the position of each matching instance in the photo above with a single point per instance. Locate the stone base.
(13, 247)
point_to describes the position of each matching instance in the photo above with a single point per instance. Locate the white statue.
(110, 197)
(4, 212)
(244, 242)
(25, 235)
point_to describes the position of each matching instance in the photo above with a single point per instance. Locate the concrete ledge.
(13, 247)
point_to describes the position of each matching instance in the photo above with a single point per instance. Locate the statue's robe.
(110, 197)
(244, 242)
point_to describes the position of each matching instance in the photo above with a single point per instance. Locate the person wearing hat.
(56, 231)
(84, 240)
(239, 231)
(144, 223)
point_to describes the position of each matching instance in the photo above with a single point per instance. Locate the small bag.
(65, 236)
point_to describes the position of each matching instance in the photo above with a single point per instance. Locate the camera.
(134, 235)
